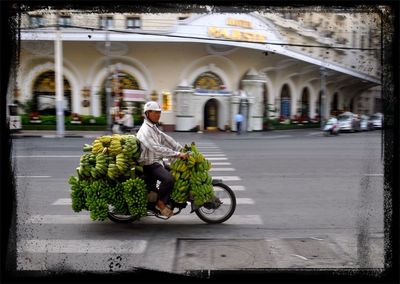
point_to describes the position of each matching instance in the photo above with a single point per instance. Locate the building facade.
(203, 68)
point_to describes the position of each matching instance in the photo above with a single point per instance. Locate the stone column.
(184, 109)
(253, 85)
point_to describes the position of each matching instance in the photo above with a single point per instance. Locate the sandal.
(165, 211)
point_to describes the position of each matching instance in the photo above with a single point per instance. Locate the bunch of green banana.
(78, 195)
(112, 171)
(135, 195)
(101, 164)
(180, 192)
(131, 147)
(121, 162)
(84, 168)
(87, 148)
(194, 171)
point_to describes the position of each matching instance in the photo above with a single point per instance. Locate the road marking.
(214, 155)
(300, 256)
(221, 164)
(190, 219)
(82, 246)
(85, 219)
(49, 156)
(276, 137)
(208, 153)
(33, 176)
(63, 201)
(227, 178)
(238, 201)
(216, 159)
(222, 169)
(317, 239)
(237, 187)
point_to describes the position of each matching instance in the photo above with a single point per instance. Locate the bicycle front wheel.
(224, 211)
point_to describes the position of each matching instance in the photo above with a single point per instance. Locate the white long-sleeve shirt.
(155, 144)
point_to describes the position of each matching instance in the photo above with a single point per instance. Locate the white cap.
(152, 105)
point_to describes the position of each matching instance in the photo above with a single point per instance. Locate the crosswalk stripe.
(63, 201)
(222, 169)
(216, 159)
(82, 246)
(227, 178)
(237, 187)
(221, 164)
(85, 219)
(238, 201)
(215, 155)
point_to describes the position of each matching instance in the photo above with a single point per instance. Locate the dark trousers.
(239, 127)
(156, 172)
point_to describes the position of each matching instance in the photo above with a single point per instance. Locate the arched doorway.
(305, 104)
(335, 104)
(120, 81)
(44, 94)
(211, 115)
(285, 102)
(318, 105)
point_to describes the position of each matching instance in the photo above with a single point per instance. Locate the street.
(304, 201)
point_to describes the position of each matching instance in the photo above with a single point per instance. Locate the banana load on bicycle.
(123, 177)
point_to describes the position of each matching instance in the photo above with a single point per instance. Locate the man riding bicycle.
(155, 146)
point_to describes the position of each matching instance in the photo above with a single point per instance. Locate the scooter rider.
(156, 145)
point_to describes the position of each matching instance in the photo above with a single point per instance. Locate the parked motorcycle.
(217, 211)
(331, 127)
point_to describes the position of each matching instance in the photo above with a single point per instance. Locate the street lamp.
(323, 95)
(58, 60)
(108, 78)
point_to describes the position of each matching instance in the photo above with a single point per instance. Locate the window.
(166, 101)
(133, 23)
(106, 22)
(208, 81)
(64, 20)
(36, 21)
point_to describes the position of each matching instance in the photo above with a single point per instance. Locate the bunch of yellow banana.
(115, 145)
(97, 146)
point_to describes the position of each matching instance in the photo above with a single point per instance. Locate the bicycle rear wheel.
(119, 218)
(224, 211)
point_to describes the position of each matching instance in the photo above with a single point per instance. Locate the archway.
(285, 102)
(335, 104)
(211, 115)
(305, 104)
(120, 81)
(44, 94)
(208, 82)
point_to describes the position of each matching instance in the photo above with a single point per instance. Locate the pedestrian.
(155, 146)
(126, 122)
(239, 121)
